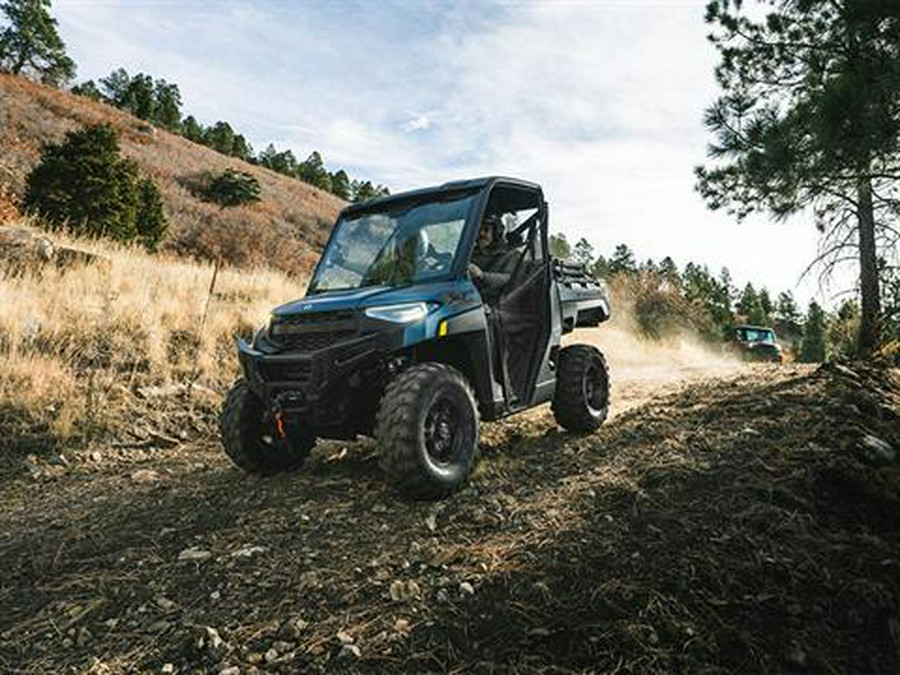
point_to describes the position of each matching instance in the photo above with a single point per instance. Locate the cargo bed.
(583, 299)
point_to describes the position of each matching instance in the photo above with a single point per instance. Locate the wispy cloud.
(599, 101)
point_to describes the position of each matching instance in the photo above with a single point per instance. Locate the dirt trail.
(727, 519)
(640, 369)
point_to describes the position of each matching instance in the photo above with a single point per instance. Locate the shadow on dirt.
(702, 532)
(708, 543)
(24, 434)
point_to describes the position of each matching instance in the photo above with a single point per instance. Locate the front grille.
(318, 318)
(313, 341)
(311, 332)
(293, 371)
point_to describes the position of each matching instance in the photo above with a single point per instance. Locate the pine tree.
(88, 89)
(115, 87)
(787, 313)
(192, 130)
(233, 188)
(340, 185)
(622, 261)
(241, 149)
(84, 184)
(30, 44)
(167, 108)
(312, 170)
(750, 306)
(812, 348)
(220, 137)
(765, 304)
(810, 119)
(668, 271)
(584, 252)
(151, 220)
(559, 246)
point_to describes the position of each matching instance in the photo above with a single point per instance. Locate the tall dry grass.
(77, 346)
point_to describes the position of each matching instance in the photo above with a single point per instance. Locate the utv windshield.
(756, 335)
(403, 244)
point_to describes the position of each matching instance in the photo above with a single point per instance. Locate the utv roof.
(452, 186)
(748, 326)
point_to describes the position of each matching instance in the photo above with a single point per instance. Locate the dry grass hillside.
(112, 350)
(284, 230)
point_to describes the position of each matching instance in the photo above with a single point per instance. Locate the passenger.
(493, 261)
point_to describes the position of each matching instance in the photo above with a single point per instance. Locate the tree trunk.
(868, 273)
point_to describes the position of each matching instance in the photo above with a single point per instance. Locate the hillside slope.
(285, 230)
(747, 524)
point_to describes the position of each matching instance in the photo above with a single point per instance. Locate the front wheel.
(252, 438)
(581, 400)
(427, 431)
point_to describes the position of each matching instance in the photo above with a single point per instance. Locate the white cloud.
(418, 123)
(601, 102)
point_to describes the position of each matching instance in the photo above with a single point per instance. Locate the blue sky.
(599, 101)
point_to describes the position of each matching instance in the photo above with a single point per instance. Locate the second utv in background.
(757, 343)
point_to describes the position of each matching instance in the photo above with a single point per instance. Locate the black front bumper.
(333, 390)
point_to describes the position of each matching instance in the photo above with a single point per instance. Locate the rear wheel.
(581, 400)
(252, 439)
(427, 431)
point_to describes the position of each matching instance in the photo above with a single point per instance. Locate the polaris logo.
(306, 308)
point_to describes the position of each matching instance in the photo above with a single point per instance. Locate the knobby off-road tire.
(581, 400)
(250, 437)
(427, 431)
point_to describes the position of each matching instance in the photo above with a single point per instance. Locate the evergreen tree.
(167, 108)
(649, 266)
(340, 185)
(810, 119)
(668, 271)
(233, 188)
(559, 246)
(787, 313)
(88, 89)
(312, 171)
(140, 99)
(241, 149)
(84, 184)
(30, 44)
(812, 348)
(115, 87)
(363, 190)
(622, 261)
(765, 304)
(192, 130)
(584, 252)
(750, 306)
(843, 330)
(220, 137)
(600, 268)
(151, 221)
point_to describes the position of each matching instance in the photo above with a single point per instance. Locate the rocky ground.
(743, 523)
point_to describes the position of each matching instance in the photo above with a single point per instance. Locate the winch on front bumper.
(332, 389)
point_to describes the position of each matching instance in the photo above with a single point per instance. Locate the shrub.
(84, 184)
(233, 188)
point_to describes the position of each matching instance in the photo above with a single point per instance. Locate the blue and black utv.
(429, 311)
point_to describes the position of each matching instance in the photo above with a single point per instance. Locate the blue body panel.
(445, 299)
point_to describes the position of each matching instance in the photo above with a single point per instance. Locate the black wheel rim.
(594, 389)
(441, 431)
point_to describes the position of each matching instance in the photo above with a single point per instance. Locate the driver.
(493, 261)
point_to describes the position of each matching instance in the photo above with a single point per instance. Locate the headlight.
(406, 313)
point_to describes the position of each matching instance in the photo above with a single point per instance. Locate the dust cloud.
(640, 368)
